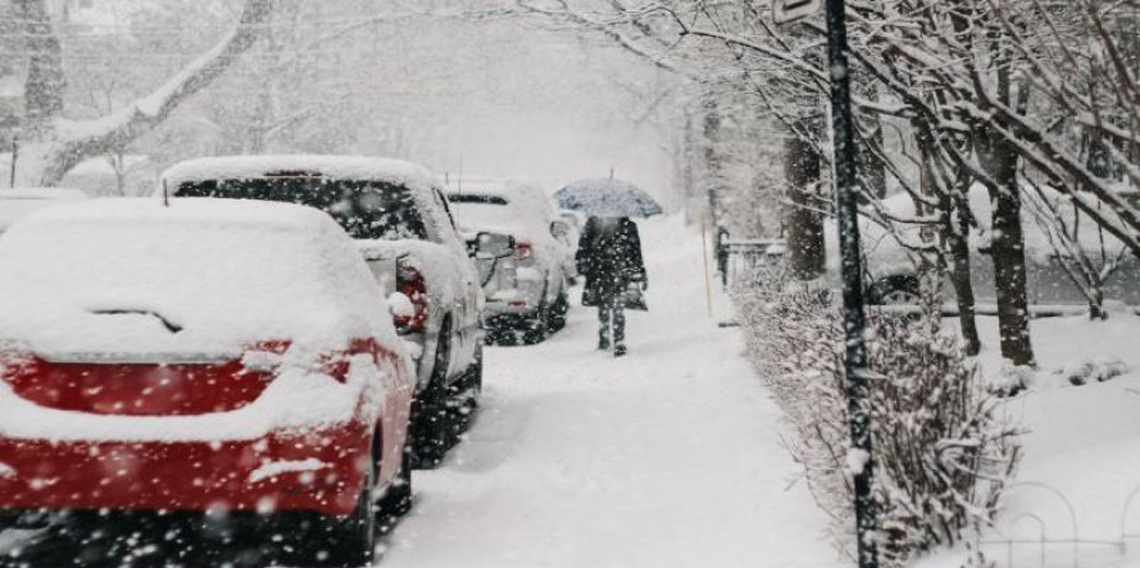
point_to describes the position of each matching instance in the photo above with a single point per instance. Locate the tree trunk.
(872, 170)
(687, 173)
(803, 221)
(956, 228)
(714, 161)
(998, 155)
(45, 83)
(1008, 250)
(955, 216)
(1096, 304)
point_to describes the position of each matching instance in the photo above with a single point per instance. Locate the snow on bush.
(941, 452)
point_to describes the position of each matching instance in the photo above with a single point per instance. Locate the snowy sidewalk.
(667, 457)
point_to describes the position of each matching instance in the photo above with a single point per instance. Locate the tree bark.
(998, 156)
(956, 228)
(872, 170)
(803, 220)
(955, 221)
(1008, 249)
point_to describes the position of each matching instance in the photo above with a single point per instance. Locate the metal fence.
(1051, 546)
(739, 257)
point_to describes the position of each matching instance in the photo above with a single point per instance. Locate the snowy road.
(668, 457)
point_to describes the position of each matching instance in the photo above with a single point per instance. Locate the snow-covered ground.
(670, 456)
(1081, 460)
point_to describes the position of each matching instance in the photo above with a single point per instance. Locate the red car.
(208, 355)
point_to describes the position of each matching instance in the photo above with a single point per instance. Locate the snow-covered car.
(19, 202)
(522, 262)
(209, 355)
(401, 223)
(892, 277)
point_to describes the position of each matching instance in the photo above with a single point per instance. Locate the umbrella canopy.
(605, 197)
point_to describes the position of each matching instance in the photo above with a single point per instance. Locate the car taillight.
(410, 282)
(522, 250)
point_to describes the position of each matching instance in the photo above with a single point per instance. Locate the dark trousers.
(611, 315)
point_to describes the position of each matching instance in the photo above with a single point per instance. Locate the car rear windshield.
(366, 209)
(476, 198)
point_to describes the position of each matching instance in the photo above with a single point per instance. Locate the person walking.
(609, 257)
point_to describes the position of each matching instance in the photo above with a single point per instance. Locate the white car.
(522, 258)
(18, 202)
(401, 223)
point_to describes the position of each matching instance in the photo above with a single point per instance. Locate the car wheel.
(464, 399)
(474, 382)
(344, 543)
(397, 499)
(895, 290)
(559, 311)
(536, 329)
(900, 298)
(431, 436)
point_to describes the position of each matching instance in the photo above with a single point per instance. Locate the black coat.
(609, 257)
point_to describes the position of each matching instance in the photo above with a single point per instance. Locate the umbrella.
(605, 197)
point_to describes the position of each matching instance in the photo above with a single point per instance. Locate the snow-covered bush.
(942, 454)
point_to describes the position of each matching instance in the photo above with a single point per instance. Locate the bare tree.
(53, 144)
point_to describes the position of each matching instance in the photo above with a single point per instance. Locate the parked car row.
(283, 338)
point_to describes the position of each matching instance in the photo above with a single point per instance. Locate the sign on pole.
(788, 11)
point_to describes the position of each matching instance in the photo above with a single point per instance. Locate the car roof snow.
(337, 167)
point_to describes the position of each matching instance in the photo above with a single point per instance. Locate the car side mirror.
(559, 228)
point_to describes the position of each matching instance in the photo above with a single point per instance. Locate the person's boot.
(603, 343)
(619, 350)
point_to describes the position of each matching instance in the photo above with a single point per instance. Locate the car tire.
(343, 543)
(895, 290)
(431, 436)
(537, 328)
(464, 399)
(558, 311)
(474, 382)
(397, 500)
